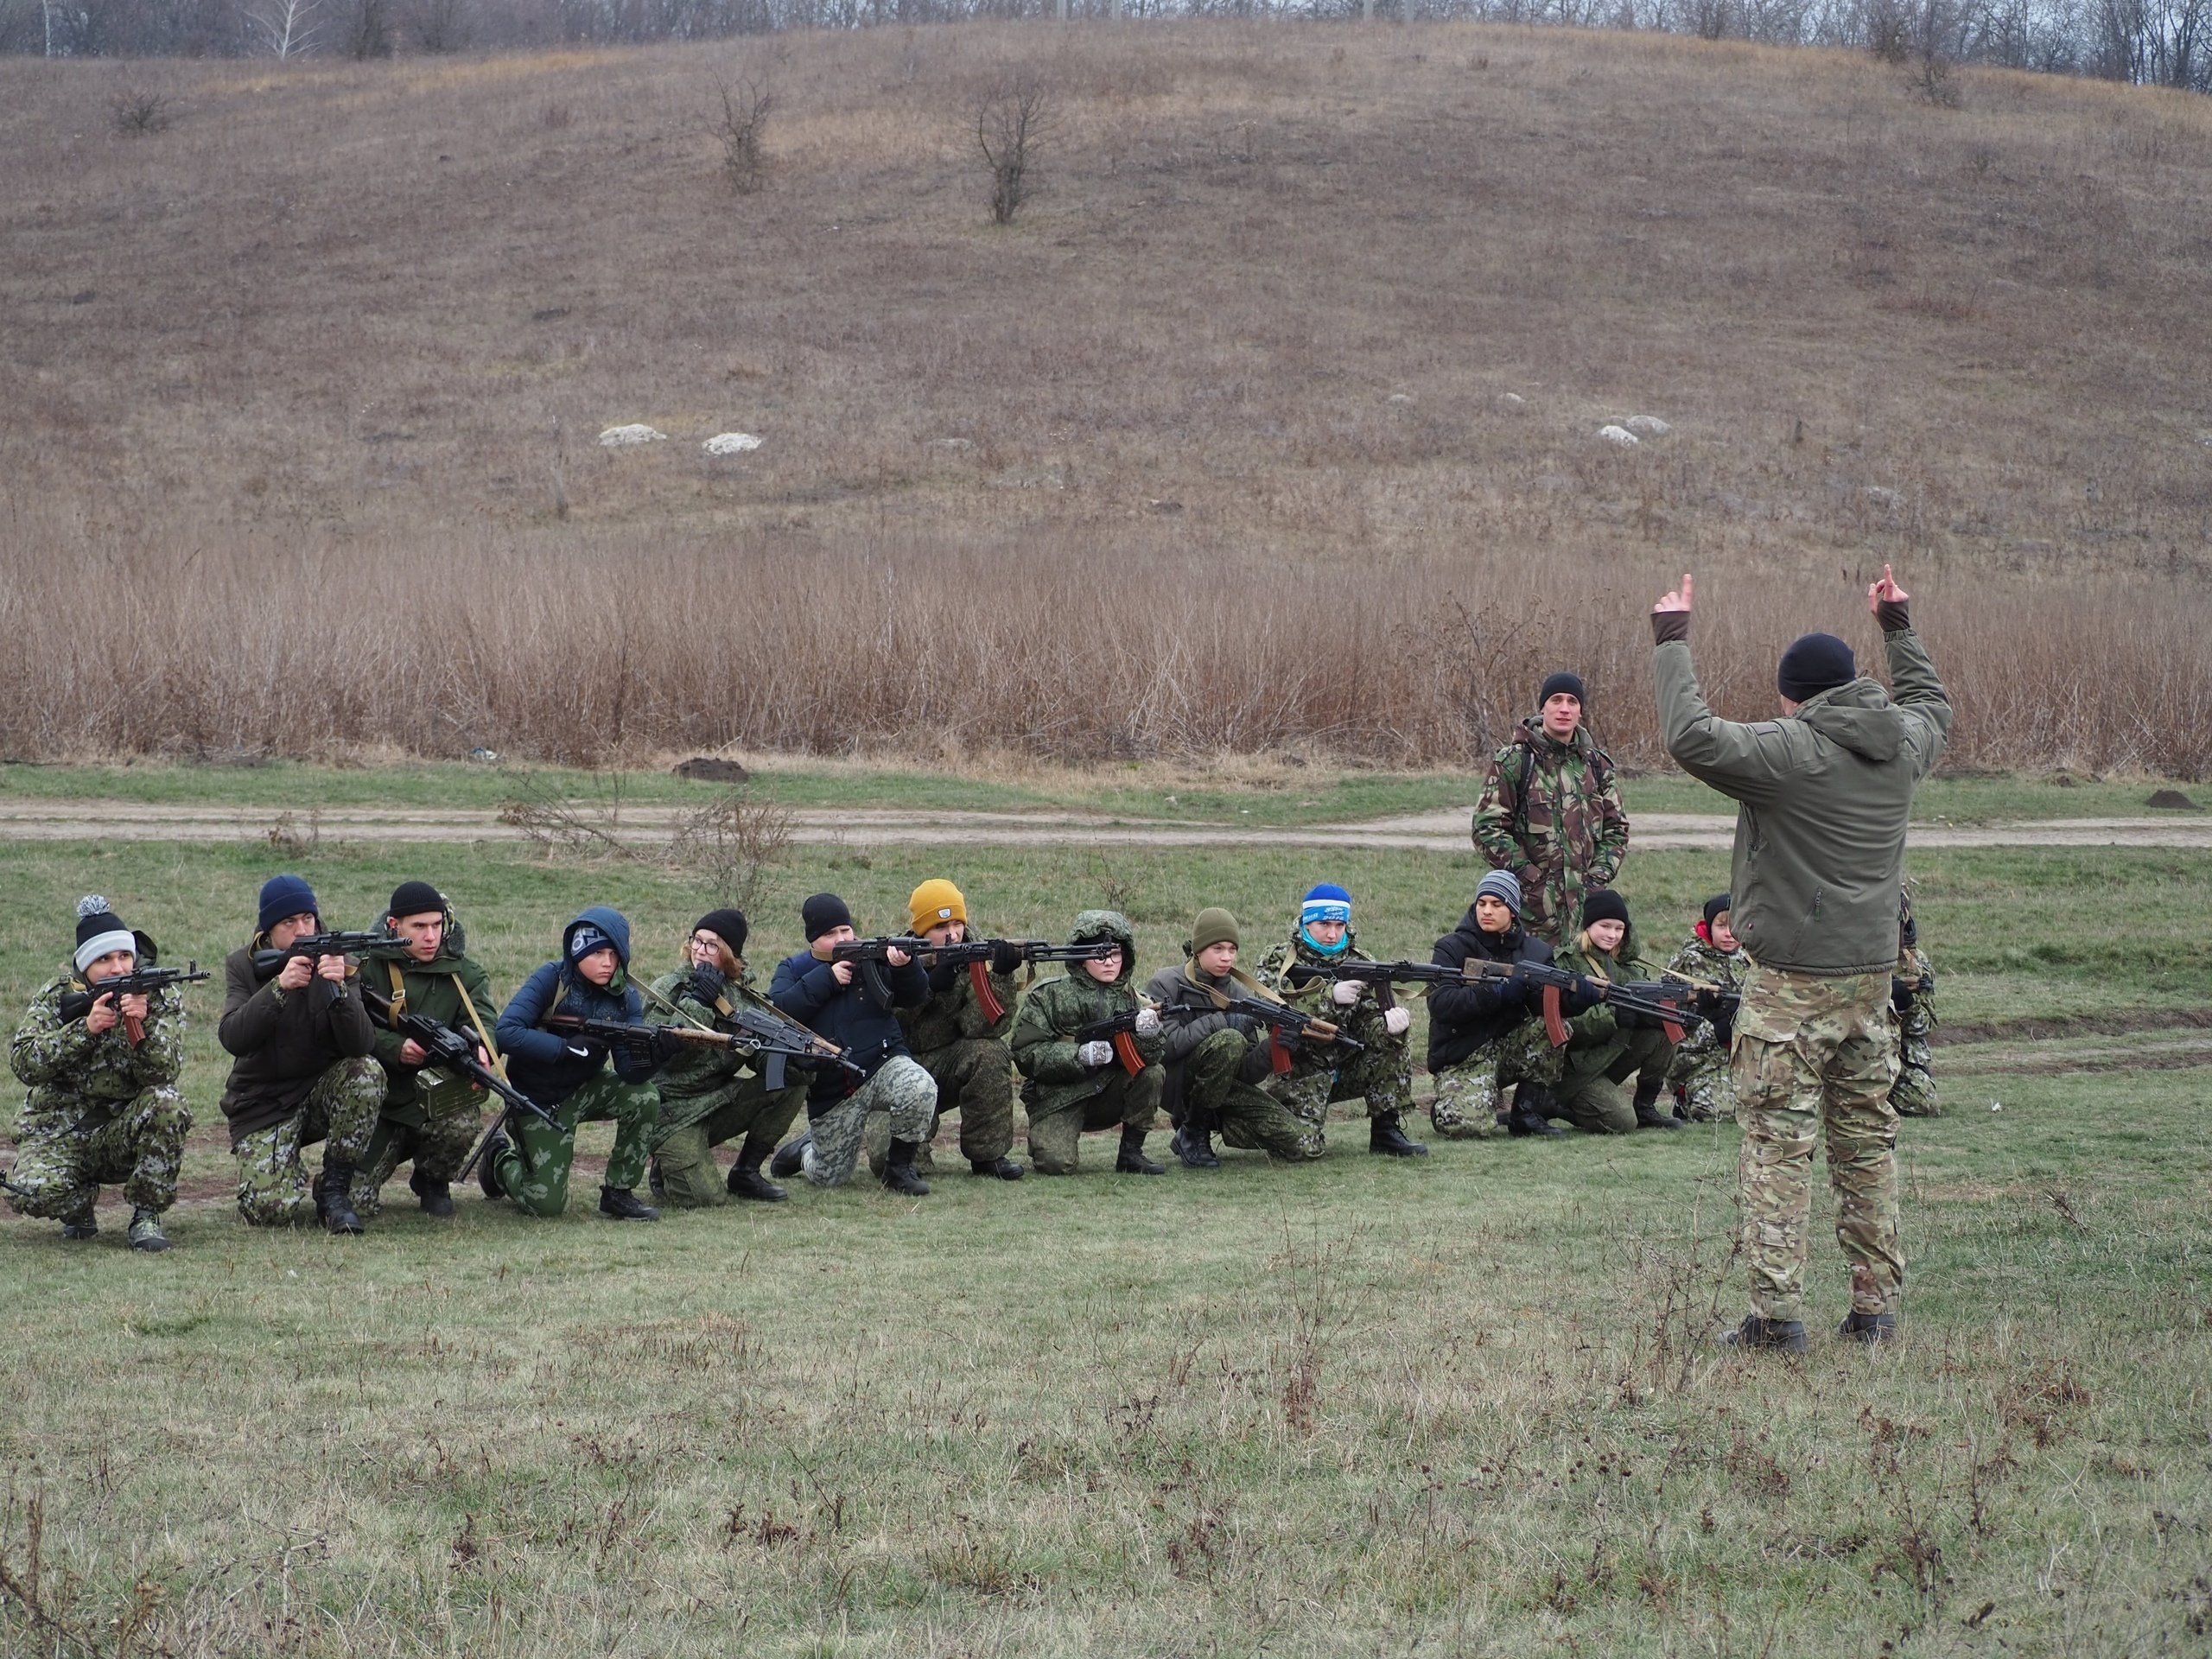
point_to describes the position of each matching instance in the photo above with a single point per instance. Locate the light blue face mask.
(1326, 911)
(1336, 949)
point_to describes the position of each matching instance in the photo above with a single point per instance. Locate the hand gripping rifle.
(1121, 1031)
(142, 982)
(981, 957)
(456, 1050)
(267, 964)
(1278, 1017)
(758, 1034)
(767, 1035)
(1380, 975)
(1671, 1008)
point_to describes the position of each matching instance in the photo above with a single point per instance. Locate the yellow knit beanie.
(935, 901)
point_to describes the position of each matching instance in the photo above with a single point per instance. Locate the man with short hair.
(430, 1117)
(1550, 813)
(1487, 1035)
(1825, 793)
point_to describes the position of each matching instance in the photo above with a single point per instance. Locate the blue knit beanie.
(1505, 886)
(285, 895)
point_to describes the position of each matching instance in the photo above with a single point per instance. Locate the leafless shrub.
(291, 840)
(286, 28)
(1016, 121)
(554, 117)
(140, 112)
(1889, 30)
(440, 25)
(740, 126)
(730, 843)
(588, 822)
(370, 31)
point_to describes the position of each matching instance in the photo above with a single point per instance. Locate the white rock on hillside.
(730, 443)
(617, 437)
(1647, 426)
(1618, 434)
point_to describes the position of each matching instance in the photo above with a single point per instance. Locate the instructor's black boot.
(1004, 1169)
(1387, 1139)
(620, 1204)
(1789, 1335)
(333, 1199)
(745, 1180)
(1648, 1115)
(1531, 1114)
(1194, 1142)
(1131, 1161)
(487, 1165)
(1869, 1328)
(437, 1195)
(898, 1170)
(791, 1157)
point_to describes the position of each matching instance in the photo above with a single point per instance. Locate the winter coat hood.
(1858, 717)
(1093, 926)
(616, 926)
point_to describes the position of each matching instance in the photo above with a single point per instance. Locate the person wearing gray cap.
(1488, 1036)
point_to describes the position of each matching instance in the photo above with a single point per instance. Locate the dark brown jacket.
(283, 1042)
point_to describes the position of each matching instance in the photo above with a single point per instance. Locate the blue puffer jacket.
(546, 1065)
(805, 989)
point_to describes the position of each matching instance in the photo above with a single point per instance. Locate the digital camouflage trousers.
(1126, 1102)
(1381, 1075)
(1701, 1078)
(62, 1161)
(1914, 1094)
(974, 1078)
(275, 1189)
(900, 1091)
(533, 1168)
(1817, 1056)
(1465, 1106)
(1244, 1114)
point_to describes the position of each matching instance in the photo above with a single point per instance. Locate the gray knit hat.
(1505, 886)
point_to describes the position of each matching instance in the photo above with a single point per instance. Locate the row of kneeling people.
(387, 1048)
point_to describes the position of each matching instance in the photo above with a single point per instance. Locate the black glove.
(1900, 995)
(707, 983)
(1005, 957)
(1244, 1024)
(941, 978)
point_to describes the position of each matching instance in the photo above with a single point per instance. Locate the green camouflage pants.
(1465, 1106)
(1126, 1102)
(974, 1077)
(691, 1128)
(1245, 1115)
(1699, 1078)
(1381, 1075)
(341, 1111)
(533, 1168)
(437, 1149)
(1814, 1053)
(1914, 1093)
(1588, 1093)
(900, 1090)
(59, 1168)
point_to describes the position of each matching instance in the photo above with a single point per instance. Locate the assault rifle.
(140, 981)
(441, 1044)
(770, 1035)
(1717, 1003)
(1278, 1017)
(1121, 1032)
(1672, 1008)
(759, 1034)
(1381, 974)
(975, 954)
(267, 964)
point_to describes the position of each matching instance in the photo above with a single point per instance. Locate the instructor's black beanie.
(1814, 663)
(821, 913)
(727, 925)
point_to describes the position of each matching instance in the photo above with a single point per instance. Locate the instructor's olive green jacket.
(1822, 798)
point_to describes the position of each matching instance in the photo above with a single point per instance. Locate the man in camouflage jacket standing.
(1824, 794)
(104, 1104)
(1551, 814)
(959, 1041)
(1380, 1074)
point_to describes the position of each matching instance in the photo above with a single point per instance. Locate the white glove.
(1147, 1022)
(1095, 1055)
(1397, 1021)
(1344, 993)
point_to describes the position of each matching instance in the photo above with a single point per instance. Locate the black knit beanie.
(1719, 905)
(1814, 663)
(725, 924)
(1604, 906)
(1562, 681)
(821, 913)
(413, 898)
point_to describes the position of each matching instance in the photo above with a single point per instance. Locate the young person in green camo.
(1699, 1075)
(1606, 1047)
(1077, 1082)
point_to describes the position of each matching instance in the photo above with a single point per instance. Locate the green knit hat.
(1214, 926)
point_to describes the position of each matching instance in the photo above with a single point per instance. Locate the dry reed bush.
(1251, 364)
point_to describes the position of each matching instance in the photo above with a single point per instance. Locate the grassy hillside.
(1307, 322)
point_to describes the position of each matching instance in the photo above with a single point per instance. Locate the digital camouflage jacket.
(67, 1068)
(1045, 1041)
(954, 1012)
(1564, 835)
(695, 1073)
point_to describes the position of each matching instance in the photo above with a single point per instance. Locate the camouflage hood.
(1095, 924)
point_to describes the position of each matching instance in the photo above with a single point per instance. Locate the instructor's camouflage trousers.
(691, 1130)
(900, 1089)
(274, 1187)
(437, 1150)
(60, 1167)
(1128, 1102)
(1814, 1053)
(1381, 1075)
(1465, 1106)
(533, 1168)
(974, 1078)
(1913, 1094)
(1244, 1114)
(1701, 1078)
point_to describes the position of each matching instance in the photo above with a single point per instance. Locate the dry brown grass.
(284, 396)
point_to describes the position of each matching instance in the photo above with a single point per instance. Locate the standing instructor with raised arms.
(1823, 794)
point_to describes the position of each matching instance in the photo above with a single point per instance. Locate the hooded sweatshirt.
(1045, 1030)
(1463, 1019)
(545, 1064)
(1822, 798)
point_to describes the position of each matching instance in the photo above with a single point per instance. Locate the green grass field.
(1466, 1406)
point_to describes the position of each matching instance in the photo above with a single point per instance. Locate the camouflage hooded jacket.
(1045, 1041)
(1565, 834)
(954, 1012)
(433, 989)
(695, 1073)
(65, 1064)
(1701, 961)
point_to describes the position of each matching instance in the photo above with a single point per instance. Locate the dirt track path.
(1444, 831)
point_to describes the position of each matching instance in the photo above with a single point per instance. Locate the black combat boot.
(620, 1204)
(1789, 1335)
(898, 1170)
(1531, 1115)
(791, 1157)
(745, 1180)
(656, 1182)
(1648, 1115)
(1194, 1142)
(437, 1195)
(333, 1199)
(1869, 1328)
(1004, 1169)
(487, 1165)
(1386, 1139)
(146, 1232)
(1131, 1161)
(83, 1224)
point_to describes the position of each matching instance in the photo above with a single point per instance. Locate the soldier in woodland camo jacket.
(1550, 813)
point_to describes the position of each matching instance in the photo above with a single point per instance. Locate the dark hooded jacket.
(1045, 1030)
(1822, 798)
(1463, 1019)
(805, 989)
(546, 1066)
